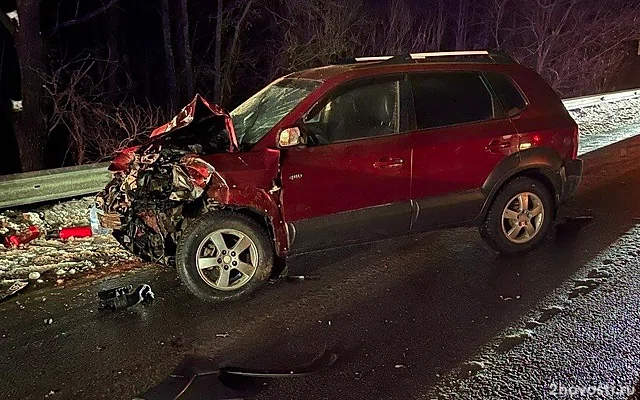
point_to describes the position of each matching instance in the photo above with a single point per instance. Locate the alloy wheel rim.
(227, 259)
(522, 217)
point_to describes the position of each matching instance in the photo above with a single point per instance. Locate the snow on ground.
(600, 125)
(56, 259)
(605, 124)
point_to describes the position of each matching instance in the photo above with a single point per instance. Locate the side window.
(361, 112)
(450, 98)
(507, 92)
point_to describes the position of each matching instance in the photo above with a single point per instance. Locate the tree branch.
(84, 18)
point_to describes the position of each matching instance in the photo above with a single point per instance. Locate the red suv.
(344, 154)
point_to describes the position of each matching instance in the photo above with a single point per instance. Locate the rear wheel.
(224, 256)
(520, 217)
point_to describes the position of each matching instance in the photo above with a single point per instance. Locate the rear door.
(462, 134)
(351, 182)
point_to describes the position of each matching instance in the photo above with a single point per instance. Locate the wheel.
(520, 217)
(224, 256)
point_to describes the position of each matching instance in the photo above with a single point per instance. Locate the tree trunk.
(169, 60)
(232, 61)
(217, 86)
(113, 47)
(183, 52)
(30, 124)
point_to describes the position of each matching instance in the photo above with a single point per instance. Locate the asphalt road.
(400, 313)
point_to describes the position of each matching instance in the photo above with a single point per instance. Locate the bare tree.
(169, 59)
(29, 117)
(405, 30)
(576, 44)
(26, 31)
(494, 24)
(463, 24)
(217, 87)
(97, 129)
(182, 53)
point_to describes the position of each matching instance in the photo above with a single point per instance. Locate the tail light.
(576, 142)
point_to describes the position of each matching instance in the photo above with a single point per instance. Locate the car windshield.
(261, 112)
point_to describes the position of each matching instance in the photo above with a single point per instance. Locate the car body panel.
(334, 182)
(456, 160)
(250, 180)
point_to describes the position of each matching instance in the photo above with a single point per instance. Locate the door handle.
(388, 162)
(497, 145)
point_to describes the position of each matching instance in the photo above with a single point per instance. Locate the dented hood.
(198, 109)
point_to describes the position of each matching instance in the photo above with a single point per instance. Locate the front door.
(350, 184)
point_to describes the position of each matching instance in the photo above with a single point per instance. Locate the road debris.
(75, 232)
(48, 321)
(34, 276)
(46, 256)
(13, 289)
(223, 335)
(199, 378)
(124, 297)
(16, 239)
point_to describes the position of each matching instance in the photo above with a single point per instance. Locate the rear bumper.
(570, 175)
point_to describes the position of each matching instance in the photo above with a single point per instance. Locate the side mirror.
(290, 137)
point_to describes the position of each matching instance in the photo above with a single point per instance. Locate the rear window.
(507, 93)
(450, 98)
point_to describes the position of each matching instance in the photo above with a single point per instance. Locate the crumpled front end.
(158, 186)
(147, 203)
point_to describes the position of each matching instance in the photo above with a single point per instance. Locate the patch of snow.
(58, 257)
(608, 123)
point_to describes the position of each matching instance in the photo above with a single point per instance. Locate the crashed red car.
(346, 154)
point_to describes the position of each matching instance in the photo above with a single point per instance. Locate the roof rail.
(492, 56)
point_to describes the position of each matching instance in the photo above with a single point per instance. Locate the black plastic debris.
(201, 378)
(13, 289)
(124, 297)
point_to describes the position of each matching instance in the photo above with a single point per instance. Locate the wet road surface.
(401, 313)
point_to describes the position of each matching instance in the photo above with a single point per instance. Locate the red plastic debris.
(75, 232)
(16, 240)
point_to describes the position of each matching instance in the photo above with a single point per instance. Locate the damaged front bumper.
(147, 205)
(159, 186)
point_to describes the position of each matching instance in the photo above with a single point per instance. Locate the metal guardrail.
(52, 184)
(64, 183)
(589, 101)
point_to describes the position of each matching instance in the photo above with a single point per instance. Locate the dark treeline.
(80, 80)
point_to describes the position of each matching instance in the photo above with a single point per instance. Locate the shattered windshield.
(256, 116)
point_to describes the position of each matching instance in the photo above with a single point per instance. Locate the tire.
(500, 222)
(218, 277)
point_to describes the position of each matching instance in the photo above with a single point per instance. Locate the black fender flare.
(543, 160)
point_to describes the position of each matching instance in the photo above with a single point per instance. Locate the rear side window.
(450, 98)
(507, 93)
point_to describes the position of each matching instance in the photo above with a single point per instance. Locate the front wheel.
(520, 217)
(224, 256)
